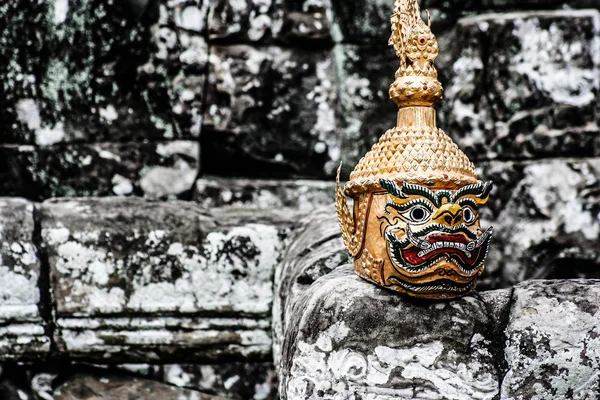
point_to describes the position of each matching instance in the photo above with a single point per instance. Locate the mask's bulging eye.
(417, 214)
(468, 215)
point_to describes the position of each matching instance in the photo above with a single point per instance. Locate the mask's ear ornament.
(415, 226)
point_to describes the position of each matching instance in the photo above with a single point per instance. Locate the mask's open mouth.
(419, 251)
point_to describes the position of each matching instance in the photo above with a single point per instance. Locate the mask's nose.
(449, 214)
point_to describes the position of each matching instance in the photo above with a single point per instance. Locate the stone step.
(69, 380)
(120, 388)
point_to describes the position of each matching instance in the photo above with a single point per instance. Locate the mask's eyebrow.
(481, 190)
(418, 190)
(408, 189)
(467, 201)
(392, 188)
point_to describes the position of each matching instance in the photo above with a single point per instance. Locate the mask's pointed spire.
(416, 150)
(416, 81)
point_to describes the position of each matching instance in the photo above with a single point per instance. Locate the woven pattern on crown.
(414, 151)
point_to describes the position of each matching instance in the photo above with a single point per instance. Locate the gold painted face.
(433, 238)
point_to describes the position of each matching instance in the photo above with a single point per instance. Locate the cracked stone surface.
(546, 217)
(22, 333)
(553, 341)
(145, 80)
(524, 85)
(271, 113)
(263, 194)
(163, 280)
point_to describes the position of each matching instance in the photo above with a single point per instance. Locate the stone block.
(22, 330)
(545, 218)
(271, 113)
(553, 343)
(524, 85)
(263, 194)
(138, 281)
(350, 338)
(153, 170)
(118, 387)
(259, 21)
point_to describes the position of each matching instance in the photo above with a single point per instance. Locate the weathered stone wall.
(252, 104)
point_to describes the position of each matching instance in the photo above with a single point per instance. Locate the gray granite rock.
(315, 249)
(22, 330)
(264, 21)
(524, 85)
(153, 170)
(89, 387)
(141, 282)
(546, 221)
(349, 338)
(553, 345)
(271, 113)
(263, 194)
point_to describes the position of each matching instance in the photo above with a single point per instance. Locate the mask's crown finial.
(416, 81)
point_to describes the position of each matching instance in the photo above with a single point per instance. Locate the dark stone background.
(232, 102)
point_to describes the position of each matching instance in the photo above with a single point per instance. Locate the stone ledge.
(132, 280)
(141, 281)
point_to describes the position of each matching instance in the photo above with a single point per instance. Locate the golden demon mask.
(415, 226)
